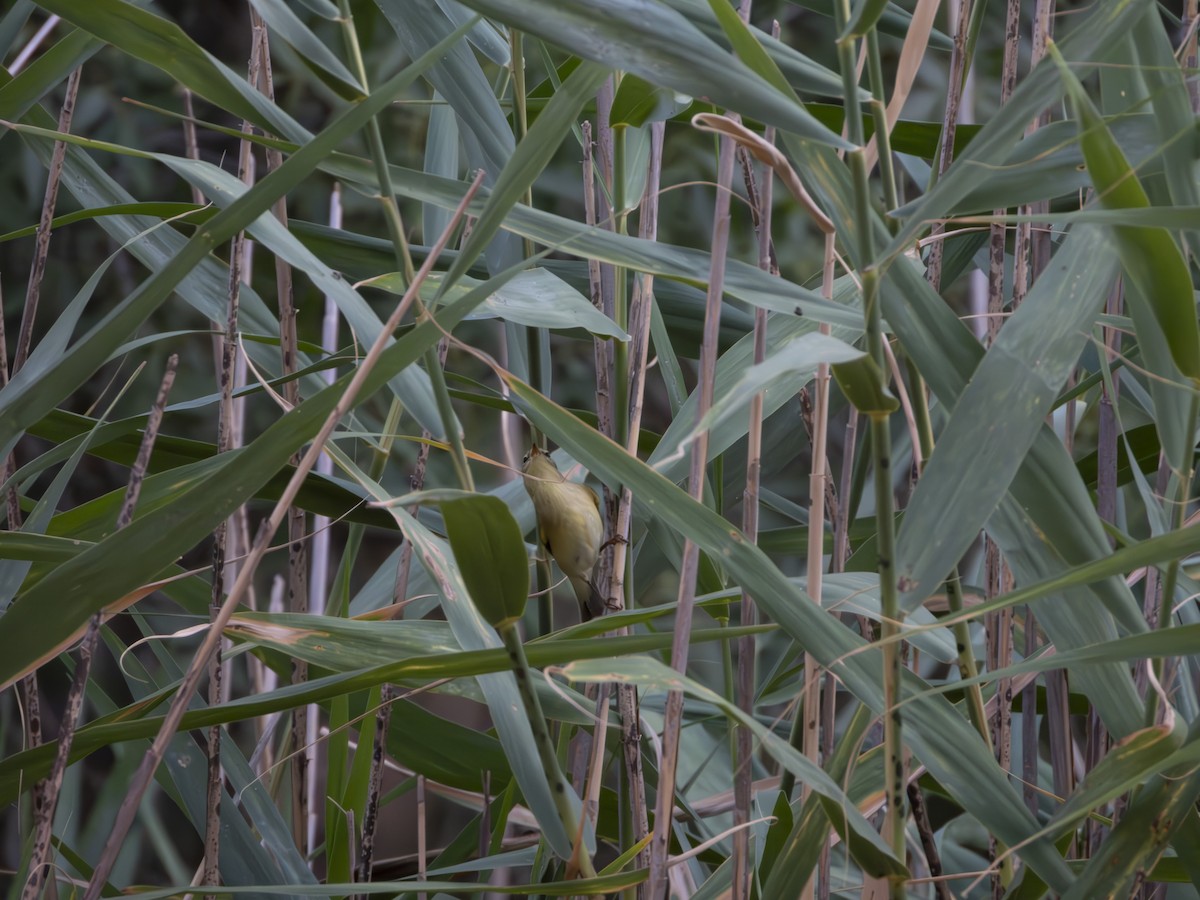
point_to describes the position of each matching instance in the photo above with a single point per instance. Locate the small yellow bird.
(569, 526)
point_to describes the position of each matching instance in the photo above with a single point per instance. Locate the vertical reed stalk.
(673, 718)
(818, 486)
(303, 717)
(881, 447)
(761, 205)
(319, 579)
(998, 235)
(41, 794)
(639, 325)
(743, 772)
(954, 91)
(226, 426)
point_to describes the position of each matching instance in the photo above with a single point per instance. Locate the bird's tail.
(591, 604)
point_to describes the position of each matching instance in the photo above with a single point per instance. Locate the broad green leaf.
(535, 297)
(865, 386)
(343, 645)
(441, 158)
(748, 49)
(489, 40)
(177, 211)
(12, 573)
(1047, 523)
(247, 825)
(20, 93)
(473, 631)
(1172, 117)
(1139, 838)
(783, 330)
(490, 551)
(1174, 122)
(418, 740)
(637, 102)
(799, 848)
(681, 304)
(349, 810)
(36, 547)
(660, 45)
(799, 357)
(12, 23)
(119, 441)
(1149, 255)
(1177, 641)
(1049, 164)
(204, 286)
(1000, 413)
(742, 281)
(1130, 762)
(600, 885)
(858, 593)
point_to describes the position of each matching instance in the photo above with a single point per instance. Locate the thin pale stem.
(673, 718)
(318, 582)
(818, 487)
(303, 717)
(746, 677)
(226, 427)
(639, 319)
(603, 349)
(190, 144)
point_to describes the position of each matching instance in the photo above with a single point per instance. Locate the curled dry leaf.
(768, 154)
